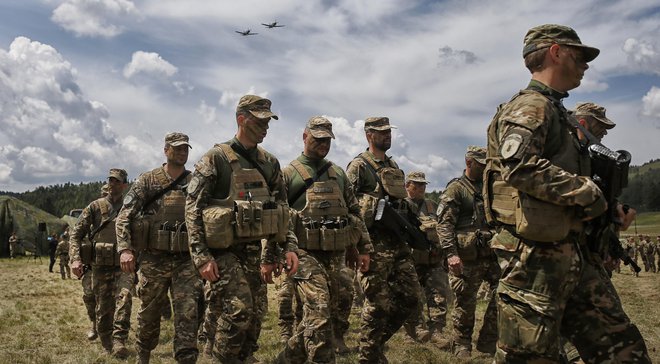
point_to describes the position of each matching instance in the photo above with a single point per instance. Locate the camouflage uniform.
(433, 278)
(162, 268)
(464, 233)
(650, 251)
(112, 288)
(90, 301)
(391, 285)
(240, 293)
(62, 252)
(290, 307)
(319, 275)
(13, 245)
(552, 285)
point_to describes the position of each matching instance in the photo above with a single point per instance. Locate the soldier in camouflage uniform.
(326, 216)
(237, 197)
(62, 252)
(536, 190)
(13, 245)
(157, 198)
(430, 267)
(112, 287)
(290, 308)
(464, 236)
(391, 284)
(650, 251)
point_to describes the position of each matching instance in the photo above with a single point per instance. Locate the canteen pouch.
(541, 221)
(467, 246)
(140, 233)
(218, 226)
(86, 254)
(106, 254)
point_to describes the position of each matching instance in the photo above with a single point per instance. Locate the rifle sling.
(309, 182)
(166, 189)
(243, 153)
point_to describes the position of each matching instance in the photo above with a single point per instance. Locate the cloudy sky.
(86, 85)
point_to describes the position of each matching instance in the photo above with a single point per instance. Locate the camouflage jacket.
(364, 181)
(89, 219)
(142, 190)
(211, 180)
(423, 207)
(62, 249)
(294, 182)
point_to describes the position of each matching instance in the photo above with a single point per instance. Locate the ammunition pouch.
(173, 238)
(140, 233)
(393, 182)
(218, 227)
(105, 254)
(325, 235)
(467, 246)
(86, 252)
(541, 221)
(429, 228)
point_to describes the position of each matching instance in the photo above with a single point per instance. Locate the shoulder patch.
(193, 185)
(129, 198)
(510, 145)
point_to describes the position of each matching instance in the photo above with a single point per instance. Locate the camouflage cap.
(476, 153)
(543, 36)
(119, 174)
(378, 123)
(417, 176)
(257, 106)
(595, 111)
(175, 139)
(320, 127)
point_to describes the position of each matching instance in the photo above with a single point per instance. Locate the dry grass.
(43, 320)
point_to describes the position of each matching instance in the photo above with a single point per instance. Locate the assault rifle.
(405, 228)
(610, 172)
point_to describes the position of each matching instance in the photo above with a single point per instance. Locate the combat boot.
(341, 348)
(92, 334)
(143, 357)
(208, 349)
(461, 351)
(486, 347)
(120, 351)
(423, 335)
(106, 343)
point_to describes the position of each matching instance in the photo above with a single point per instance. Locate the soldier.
(13, 244)
(151, 225)
(430, 267)
(237, 197)
(112, 287)
(326, 216)
(657, 252)
(52, 247)
(464, 236)
(650, 252)
(62, 252)
(536, 190)
(390, 285)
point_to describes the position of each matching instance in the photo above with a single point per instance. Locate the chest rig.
(472, 231)
(104, 242)
(168, 227)
(390, 185)
(248, 213)
(323, 223)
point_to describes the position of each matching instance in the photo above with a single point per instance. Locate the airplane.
(247, 32)
(272, 25)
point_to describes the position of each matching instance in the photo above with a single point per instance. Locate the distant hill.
(643, 191)
(59, 199)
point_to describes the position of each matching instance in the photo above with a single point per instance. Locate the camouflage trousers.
(159, 272)
(317, 284)
(290, 310)
(13, 250)
(548, 290)
(65, 270)
(210, 319)
(88, 295)
(239, 301)
(390, 289)
(465, 288)
(112, 289)
(345, 292)
(650, 265)
(434, 291)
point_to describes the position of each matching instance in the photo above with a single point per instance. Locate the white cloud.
(149, 63)
(643, 55)
(103, 18)
(651, 103)
(207, 113)
(455, 58)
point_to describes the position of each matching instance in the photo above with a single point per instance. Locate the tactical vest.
(428, 226)
(323, 223)
(248, 213)
(531, 218)
(391, 184)
(472, 231)
(168, 225)
(105, 240)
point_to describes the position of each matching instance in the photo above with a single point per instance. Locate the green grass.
(647, 223)
(43, 321)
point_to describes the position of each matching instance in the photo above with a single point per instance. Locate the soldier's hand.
(363, 261)
(455, 265)
(352, 257)
(266, 272)
(77, 268)
(127, 261)
(625, 218)
(291, 263)
(209, 271)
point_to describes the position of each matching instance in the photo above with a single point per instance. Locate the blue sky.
(90, 85)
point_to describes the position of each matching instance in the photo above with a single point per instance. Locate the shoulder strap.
(167, 189)
(104, 212)
(307, 178)
(243, 153)
(374, 170)
(470, 187)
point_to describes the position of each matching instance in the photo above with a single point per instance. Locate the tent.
(32, 226)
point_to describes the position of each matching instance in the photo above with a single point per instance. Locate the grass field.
(43, 319)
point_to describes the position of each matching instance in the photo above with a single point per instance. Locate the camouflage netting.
(19, 216)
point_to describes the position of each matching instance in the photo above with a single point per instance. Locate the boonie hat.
(417, 176)
(543, 36)
(379, 123)
(595, 111)
(119, 174)
(175, 139)
(476, 153)
(257, 106)
(320, 127)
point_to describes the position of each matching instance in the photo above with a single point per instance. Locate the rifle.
(610, 173)
(405, 228)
